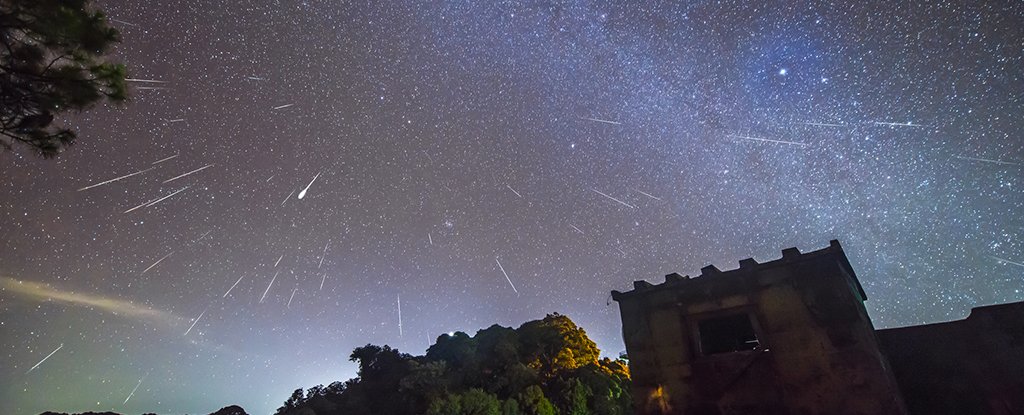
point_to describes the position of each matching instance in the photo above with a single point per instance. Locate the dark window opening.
(727, 334)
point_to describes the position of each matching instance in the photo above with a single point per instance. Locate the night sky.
(490, 162)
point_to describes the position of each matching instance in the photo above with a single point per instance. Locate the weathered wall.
(965, 367)
(818, 352)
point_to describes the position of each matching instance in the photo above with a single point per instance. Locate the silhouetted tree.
(51, 61)
(230, 410)
(544, 367)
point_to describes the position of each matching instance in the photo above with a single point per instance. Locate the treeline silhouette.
(544, 367)
(227, 410)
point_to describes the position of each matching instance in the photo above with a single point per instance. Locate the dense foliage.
(544, 367)
(52, 61)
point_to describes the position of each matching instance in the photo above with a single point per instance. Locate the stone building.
(963, 367)
(792, 336)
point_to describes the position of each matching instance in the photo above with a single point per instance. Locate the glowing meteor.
(323, 255)
(614, 199)
(114, 179)
(993, 161)
(139, 206)
(286, 198)
(506, 275)
(155, 263)
(186, 174)
(897, 124)
(145, 81)
(768, 140)
(122, 22)
(399, 315)
(163, 159)
(194, 323)
(302, 194)
(514, 191)
(268, 287)
(291, 298)
(646, 194)
(133, 392)
(1007, 261)
(600, 120)
(282, 106)
(44, 359)
(165, 197)
(233, 286)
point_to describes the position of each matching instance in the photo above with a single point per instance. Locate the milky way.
(490, 163)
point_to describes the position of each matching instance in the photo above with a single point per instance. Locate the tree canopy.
(546, 366)
(52, 61)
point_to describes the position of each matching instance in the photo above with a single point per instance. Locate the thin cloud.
(33, 291)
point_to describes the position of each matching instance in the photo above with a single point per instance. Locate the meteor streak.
(506, 275)
(139, 206)
(44, 359)
(768, 140)
(302, 194)
(291, 298)
(165, 197)
(133, 392)
(897, 124)
(147, 81)
(122, 22)
(155, 263)
(645, 194)
(822, 124)
(322, 280)
(278, 260)
(233, 286)
(175, 120)
(286, 198)
(323, 255)
(186, 174)
(399, 315)
(577, 229)
(163, 160)
(194, 323)
(988, 160)
(1007, 261)
(614, 199)
(268, 287)
(600, 120)
(114, 179)
(282, 106)
(514, 191)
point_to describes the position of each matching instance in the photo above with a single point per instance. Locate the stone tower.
(789, 336)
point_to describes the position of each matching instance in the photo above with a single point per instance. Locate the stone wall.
(815, 350)
(965, 367)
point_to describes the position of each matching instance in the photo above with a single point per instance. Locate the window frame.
(697, 345)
